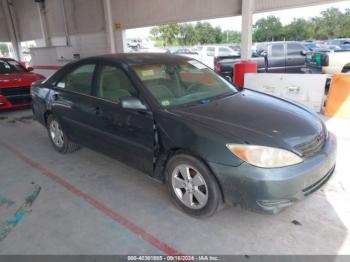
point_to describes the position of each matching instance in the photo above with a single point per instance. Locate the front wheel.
(192, 186)
(58, 137)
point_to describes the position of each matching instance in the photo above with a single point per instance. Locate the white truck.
(208, 53)
(328, 62)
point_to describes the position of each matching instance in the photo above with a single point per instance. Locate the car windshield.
(11, 66)
(183, 83)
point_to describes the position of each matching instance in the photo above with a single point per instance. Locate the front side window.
(79, 80)
(294, 49)
(183, 83)
(11, 66)
(114, 84)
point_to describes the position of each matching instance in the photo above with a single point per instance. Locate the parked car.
(177, 120)
(275, 57)
(134, 43)
(208, 54)
(186, 52)
(311, 46)
(15, 82)
(338, 42)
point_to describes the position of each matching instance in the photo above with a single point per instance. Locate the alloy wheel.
(189, 186)
(56, 133)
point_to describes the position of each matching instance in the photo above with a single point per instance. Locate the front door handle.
(98, 110)
(55, 97)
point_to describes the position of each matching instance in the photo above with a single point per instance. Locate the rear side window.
(277, 50)
(211, 51)
(79, 80)
(294, 49)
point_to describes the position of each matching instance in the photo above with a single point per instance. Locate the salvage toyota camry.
(181, 123)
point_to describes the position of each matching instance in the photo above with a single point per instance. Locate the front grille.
(14, 91)
(313, 146)
(17, 95)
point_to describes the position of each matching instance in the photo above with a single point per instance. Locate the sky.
(234, 23)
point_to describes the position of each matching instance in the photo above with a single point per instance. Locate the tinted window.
(79, 80)
(277, 50)
(114, 84)
(210, 51)
(223, 51)
(294, 49)
(10, 66)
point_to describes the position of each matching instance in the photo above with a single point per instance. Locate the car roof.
(133, 59)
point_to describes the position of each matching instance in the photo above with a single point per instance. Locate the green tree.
(230, 37)
(217, 35)
(165, 35)
(332, 24)
(187, 35)
(205, 33)
(299, 29)
(268, 29)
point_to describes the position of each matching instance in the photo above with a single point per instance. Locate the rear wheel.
(58, 137)
(192, 186)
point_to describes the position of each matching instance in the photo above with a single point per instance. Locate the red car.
(15, 82)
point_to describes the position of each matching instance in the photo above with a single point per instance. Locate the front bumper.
(19, 101)
(271, 190)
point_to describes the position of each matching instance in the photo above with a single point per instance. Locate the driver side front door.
(125, 134)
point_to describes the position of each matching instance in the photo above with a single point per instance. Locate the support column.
(43, 23)
(11, 26)
(109, 25)
(120, 40)
(65, 23)
(246, 65)
(247, 29)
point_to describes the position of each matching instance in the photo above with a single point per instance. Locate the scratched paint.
(5, 202)
(19, 215)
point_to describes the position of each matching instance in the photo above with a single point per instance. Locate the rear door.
(73, 102)
(126, 134)
(276, 58)
(295, 59)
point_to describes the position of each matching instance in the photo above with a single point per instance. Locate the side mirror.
(131, 102)
(30, 69)
(303, 52)
(263, 53)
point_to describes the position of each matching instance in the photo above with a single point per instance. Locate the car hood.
(19, 79)
(254, 118)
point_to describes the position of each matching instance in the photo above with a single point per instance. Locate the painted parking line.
(93, 202)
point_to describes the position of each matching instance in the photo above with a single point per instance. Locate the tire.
(192, 186)
(58, 136)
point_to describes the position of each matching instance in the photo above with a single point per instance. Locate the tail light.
(218, 68)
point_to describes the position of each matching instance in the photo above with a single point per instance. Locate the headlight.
(262, 156)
